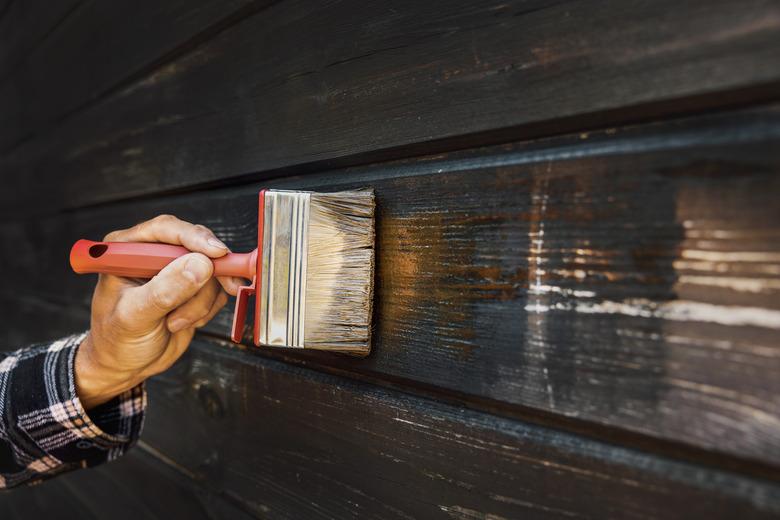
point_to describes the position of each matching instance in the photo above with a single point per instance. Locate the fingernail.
(199, 268)
(215, 242)
(177, 324)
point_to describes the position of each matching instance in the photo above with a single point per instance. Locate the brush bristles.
(340, 272)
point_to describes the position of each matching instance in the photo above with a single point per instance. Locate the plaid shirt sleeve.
(44, 430)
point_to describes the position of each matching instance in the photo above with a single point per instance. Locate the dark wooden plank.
(267, 439)
(26, 318)
(25, 26)
(294, 443)
(627, 278)
(308, 82)
(135, 487)
(98, 49)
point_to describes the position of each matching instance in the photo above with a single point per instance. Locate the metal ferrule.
(282, 297)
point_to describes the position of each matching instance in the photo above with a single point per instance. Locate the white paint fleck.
(679, 310)
(730, 256)
(539, 200)
(398, 419)
(563, 291)
(740, 284)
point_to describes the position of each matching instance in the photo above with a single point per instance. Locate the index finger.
(171, 230)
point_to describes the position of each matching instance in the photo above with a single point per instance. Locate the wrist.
(98, 382)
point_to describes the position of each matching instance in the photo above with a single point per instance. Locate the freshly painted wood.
(625, 278)
(229, 435)
(306, 82)
(136, 487)
(25, 26)
(27, 318)
(96, 48)
(293, 443)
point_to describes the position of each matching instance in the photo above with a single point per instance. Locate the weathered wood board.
(625, 278)
(137, 487)
(578, 260)
(230, 434)
(399, 77)
(294, 443)
(93, 50)
(25, 26)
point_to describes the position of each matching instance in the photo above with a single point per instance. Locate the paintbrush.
(312, 272)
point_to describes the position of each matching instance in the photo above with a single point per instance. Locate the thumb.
(147, 304)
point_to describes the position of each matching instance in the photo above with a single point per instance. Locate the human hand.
(140, 328)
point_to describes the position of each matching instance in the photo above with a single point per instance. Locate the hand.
(140, 328)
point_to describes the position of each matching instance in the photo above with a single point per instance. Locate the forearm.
(45, 428)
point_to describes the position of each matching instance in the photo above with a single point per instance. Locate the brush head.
(315, 267)
(340, 271)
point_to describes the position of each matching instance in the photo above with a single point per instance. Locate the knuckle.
(160, 221)
(203, 231)
(165, 218)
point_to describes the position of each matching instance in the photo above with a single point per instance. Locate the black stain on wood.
(612, 318)
(457, 74)
(621, 284)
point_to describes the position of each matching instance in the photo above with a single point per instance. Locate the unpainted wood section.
(101, 45)
(627, 277)
(290, 442)
(310, 82)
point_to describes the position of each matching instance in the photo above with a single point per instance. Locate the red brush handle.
(144, 260)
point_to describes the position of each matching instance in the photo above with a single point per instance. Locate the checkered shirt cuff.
(44, 429)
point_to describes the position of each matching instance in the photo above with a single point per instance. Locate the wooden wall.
(578, 270)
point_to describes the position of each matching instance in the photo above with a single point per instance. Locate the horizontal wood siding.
(279, 90)
(97, 49)
(624, 278)
(577, 306)
(138, 486)
(294, 443)
(231, 434)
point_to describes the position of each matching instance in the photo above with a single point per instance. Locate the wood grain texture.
(250, 437)
(25, 27)
(397, 75)
(95, 49)
(136, 487)
(293, 443)
(627, 278)
(26, 318)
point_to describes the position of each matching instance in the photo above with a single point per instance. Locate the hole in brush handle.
(97, 250)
